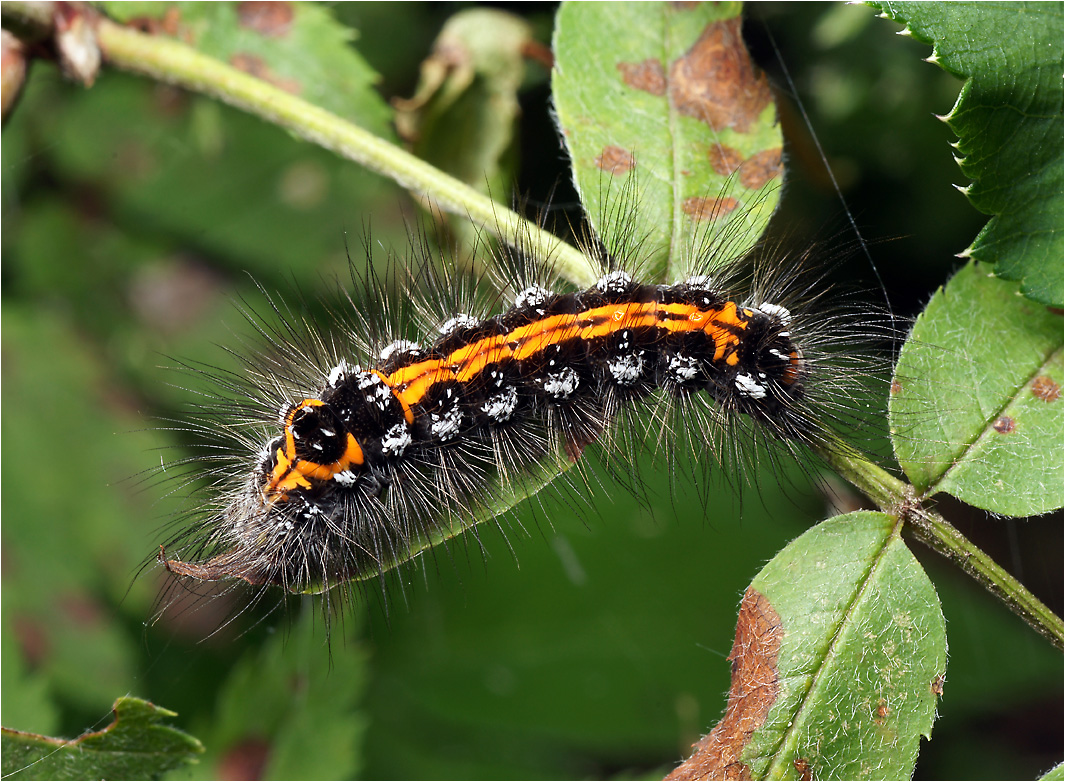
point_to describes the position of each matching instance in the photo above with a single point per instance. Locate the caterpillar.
(359, 443)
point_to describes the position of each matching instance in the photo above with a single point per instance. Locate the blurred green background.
(591, 645)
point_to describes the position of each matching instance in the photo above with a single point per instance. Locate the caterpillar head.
(769, 380)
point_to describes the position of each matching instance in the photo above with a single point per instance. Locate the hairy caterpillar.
(361, 443)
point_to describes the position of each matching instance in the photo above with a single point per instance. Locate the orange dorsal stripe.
(411, 383)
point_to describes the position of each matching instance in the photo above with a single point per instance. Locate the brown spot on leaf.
(167, 24)
(802, 768)
(937, 685)
(755, 686)
(701, 209)
(271, 19)
(760, 169)
(1044, 387)
(33, 640)
(883, 711)
(648, 76)
(1004, 424)
(257, 67)
(174, 294)
(896, 388)
(245, 760)
(724, 160)
(615, 160)
(81, 610)
(715, 81)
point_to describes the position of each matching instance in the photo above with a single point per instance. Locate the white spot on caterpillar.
(328, 432)
(338, 373)
(458, 322)
(748, 386)
(345, 478)
(399, 346)
(446, 425)
(778, 354)
(614, 282)
(776, 310)
(683, 368)
(501, 406)
(700, 281)
(533, 296)
(562, 384)
(396, 440)
(626, 370)
(267, 450)
(381, 393)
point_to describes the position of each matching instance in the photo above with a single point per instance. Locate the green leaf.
(291, 711)
(70, 555)
(976, 408)
(851, 649)
(1056, 774)
(462, 116)
(134, 746)
(298, 47)
(177, 144)
(1008, 118)
(25, 693)
(666, 117)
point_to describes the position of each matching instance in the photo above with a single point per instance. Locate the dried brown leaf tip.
(715, 81)
(755, 686)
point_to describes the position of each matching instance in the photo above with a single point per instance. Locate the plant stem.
(170, 61)
(894, 496)
(939, 535)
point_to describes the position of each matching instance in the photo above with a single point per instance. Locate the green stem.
(173, 62)
(936, 533)
(895, 496)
